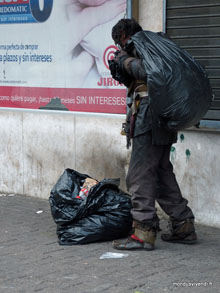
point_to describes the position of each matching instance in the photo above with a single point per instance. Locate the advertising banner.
(54, 55)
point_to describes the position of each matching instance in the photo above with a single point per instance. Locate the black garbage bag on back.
(178, 86)
(103, 215)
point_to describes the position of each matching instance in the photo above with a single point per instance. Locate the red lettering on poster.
(8, 2)
(76, 99)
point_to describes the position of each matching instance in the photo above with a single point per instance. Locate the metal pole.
(129, 15)
(164, 15)
(129, 8)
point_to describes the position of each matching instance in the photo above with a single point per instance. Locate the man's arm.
(135, 68)
(132, 65)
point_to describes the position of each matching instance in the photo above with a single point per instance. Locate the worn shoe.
(132, 243)
(143, 238)
(181, 232)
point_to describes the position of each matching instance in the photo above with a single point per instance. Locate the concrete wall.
(197, 166)
(151, 15)
(37, 147)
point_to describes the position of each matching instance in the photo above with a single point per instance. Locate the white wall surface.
(37, 147)
(151, 15)
(199, 173)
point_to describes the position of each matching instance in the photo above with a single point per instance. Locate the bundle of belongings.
(86, 210)
(178, 86)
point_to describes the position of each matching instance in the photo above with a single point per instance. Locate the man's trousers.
(150, 178)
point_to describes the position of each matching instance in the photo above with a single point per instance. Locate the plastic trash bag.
(103, 215)
(178, 86)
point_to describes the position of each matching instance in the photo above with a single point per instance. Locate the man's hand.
(120, 56)
(117, 69)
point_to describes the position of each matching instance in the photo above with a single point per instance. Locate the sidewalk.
(32, 260)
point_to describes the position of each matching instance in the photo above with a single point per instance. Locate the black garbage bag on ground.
(178, 86)
(103, 215)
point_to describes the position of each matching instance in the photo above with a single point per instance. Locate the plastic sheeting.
(103, 215)
(178, 87)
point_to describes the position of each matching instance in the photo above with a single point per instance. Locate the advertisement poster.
(54, 55)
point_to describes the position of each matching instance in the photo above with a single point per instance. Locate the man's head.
(124, 29)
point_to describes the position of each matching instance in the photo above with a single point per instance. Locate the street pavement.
(31, 260)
